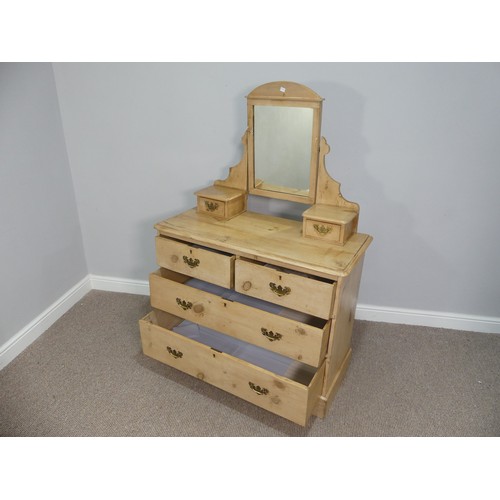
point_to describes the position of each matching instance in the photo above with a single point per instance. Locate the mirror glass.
(282, 148)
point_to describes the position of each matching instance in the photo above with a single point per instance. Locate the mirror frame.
(295, 94)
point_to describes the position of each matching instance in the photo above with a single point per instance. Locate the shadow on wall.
(399, 263)
(400, 266)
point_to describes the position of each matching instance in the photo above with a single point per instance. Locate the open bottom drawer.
(291, 390)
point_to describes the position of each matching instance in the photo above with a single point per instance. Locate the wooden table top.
(267, 238)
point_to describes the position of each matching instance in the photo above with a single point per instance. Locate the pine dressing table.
(257, 305)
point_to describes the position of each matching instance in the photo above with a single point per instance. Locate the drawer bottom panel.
(290, 390)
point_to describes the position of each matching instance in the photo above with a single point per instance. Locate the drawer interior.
(270, 361)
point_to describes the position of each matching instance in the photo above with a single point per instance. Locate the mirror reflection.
(282, 148)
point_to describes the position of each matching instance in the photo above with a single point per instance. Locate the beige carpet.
(87, 376)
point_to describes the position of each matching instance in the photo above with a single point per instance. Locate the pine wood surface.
(342, 323)
(302, 293)
(220, 193)
(325, 401)
(196, 262)
(272, 259)
(300, 341)
(270, 239)
(285, 397)
(293, 91)
(330, 213)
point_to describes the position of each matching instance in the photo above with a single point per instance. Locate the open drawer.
(296, 335)
(273, 382)
(297, 291)
(199, 262)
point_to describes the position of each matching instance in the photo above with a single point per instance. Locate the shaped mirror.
(283, 142)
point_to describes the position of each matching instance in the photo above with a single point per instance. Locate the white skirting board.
(454, 321)
(109, 284)
(22, 339)
(42, 322)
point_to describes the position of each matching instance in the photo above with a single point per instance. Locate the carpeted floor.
(87, 376)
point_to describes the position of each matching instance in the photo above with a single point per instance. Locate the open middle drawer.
(298, 336)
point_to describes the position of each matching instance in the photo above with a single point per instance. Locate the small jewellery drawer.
(221, 202)
(303, 293)
(329, 223)
(291, 394)
(205, 264)
(211, 207)
(322, 230)
(297, 336)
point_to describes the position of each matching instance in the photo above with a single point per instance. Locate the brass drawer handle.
(184, 304)
(190, 261)
(279, 290)
(270, 335)
(174, 353)
(211, 206)
(322, 230)
(261, 391)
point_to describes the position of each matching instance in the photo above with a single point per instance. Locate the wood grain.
(284, 397)
(268, 239)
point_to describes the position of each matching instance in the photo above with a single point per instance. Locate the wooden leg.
(323, 404)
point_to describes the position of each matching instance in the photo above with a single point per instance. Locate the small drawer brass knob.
(198, 308)
(246, 285)
(174, 258)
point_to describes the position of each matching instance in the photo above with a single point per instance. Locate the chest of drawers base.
(273, 328)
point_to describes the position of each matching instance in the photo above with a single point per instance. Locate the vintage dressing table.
(258, 305)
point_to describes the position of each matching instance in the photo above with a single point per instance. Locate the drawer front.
(211, 207)
(294, 291)
(297, 340)
(322, 230)
(278, 394)
(200, 263)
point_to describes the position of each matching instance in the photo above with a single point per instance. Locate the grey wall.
(417, 145)
(41, 250)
